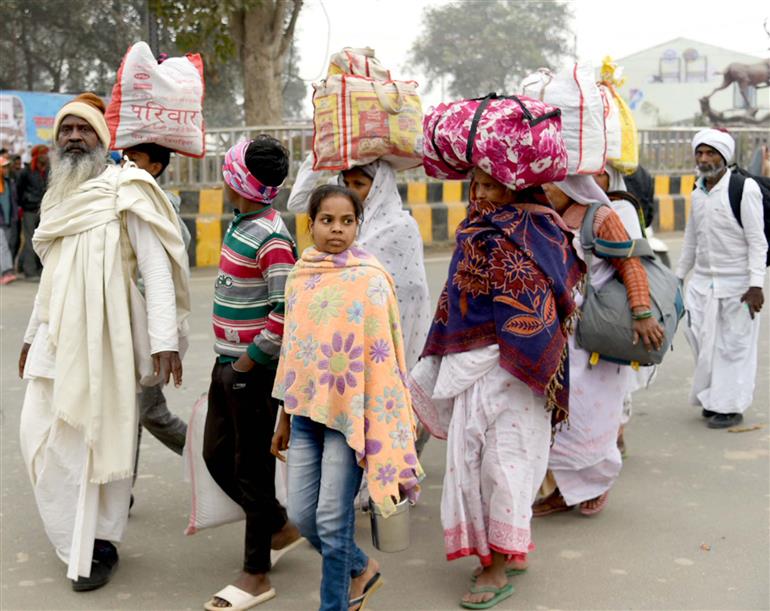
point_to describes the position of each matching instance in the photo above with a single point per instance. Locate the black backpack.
(738, 177)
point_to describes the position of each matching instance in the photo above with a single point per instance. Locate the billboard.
(26, 118)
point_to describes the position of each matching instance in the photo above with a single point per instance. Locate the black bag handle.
(528, 117)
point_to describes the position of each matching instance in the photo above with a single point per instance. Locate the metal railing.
(661, 150)
(668, 150)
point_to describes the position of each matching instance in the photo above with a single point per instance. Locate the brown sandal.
(553, 503)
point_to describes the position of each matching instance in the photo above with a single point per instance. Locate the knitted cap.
(89, 107)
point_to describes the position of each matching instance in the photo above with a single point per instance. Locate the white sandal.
(277, 554)
(239, 600)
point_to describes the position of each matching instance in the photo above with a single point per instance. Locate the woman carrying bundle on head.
(492, 379)
(584, 459)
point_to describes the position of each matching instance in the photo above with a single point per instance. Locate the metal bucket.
(390, 534)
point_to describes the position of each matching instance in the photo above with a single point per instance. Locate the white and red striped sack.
(575, 92)
(158, 103)
(210, 505)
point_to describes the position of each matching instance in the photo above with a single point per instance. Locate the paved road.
(686, 526)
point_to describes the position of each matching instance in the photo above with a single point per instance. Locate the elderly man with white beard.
(92, 336)
(724, 295)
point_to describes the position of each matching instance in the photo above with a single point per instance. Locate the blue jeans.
(324, 478)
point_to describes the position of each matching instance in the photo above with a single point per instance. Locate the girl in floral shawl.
(341, 377)
(495, 364)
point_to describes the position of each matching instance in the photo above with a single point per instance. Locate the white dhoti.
(724, 339)
(74, 511)
(585, 460)
(498, 434)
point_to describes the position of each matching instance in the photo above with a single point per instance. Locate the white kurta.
(498, 434)
(74, 510)
(391, 234)
(726, 260)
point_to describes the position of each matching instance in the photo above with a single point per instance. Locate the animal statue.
(745, 75)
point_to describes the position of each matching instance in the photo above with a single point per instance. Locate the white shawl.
(84, 296)
(391, 234)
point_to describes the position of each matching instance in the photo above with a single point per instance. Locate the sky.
(603, 27)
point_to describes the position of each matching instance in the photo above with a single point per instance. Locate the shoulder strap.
(606, 249)
(735, 194)
(587, 237)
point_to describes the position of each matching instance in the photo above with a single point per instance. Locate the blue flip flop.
(500, 594)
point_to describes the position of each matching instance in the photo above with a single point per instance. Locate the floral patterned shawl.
(510, 282)
(342, 364)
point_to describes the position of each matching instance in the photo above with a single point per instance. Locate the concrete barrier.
(438, 207)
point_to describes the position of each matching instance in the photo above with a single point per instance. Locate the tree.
(256, 33)
(65, 46)
(489, 46)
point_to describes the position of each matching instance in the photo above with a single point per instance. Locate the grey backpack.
(605, 328)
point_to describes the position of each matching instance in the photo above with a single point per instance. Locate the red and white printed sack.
(158, 103)
(575, 92)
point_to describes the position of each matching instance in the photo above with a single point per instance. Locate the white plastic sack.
(210, 504)
(575, 92)
(160, 103)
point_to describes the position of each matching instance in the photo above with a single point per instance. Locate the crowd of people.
(329, 358)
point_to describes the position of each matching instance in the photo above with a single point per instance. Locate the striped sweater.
(257, 255)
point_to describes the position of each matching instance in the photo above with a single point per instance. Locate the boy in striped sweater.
(257, 254)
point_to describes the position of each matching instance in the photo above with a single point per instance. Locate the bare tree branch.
(288, 34)
(276, 26)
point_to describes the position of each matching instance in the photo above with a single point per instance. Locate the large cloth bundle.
(160, 103)
(358, 118)
(516, 140)
(575, 92)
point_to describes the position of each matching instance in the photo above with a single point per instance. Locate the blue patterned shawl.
(511, 282)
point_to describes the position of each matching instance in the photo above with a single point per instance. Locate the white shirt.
(729, 257)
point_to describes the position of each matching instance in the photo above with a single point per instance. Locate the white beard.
(68, 172)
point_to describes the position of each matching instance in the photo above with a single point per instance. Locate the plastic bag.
(210, 504)
(575, 92)
(159, 103)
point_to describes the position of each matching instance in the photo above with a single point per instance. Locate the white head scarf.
(624, 209)
(391, 234)
(617, 183)
(582, 189)
(716, 139)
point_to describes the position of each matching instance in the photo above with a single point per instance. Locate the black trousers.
(236, 447)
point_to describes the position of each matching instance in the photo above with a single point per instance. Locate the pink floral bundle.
(516, 140)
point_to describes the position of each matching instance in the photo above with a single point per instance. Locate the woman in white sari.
(584, 459)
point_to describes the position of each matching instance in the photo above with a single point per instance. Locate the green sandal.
(508, 573)
(500, 594)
